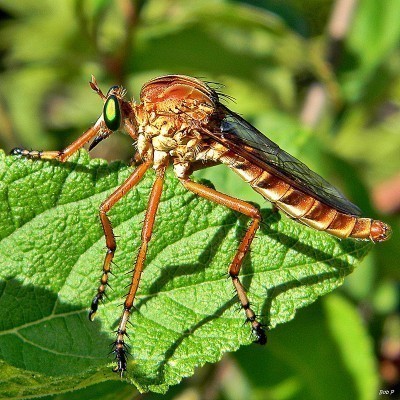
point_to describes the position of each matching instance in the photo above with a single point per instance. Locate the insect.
(181, 121)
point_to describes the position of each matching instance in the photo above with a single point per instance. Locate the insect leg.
(147, 231)
(62, 155)
(244, 246)
(133, 179)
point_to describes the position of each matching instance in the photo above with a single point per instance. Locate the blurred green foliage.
(267, 53)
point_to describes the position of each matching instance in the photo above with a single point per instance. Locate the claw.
(93, 307)
(18, 151)
(120, 355)
(259, 332)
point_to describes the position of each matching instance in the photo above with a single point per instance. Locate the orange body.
(191, 103)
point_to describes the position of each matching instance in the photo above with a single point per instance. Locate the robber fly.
(181, 121)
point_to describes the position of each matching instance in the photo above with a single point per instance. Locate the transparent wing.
(243, 138)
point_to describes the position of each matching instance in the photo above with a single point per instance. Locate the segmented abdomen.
(303, 207)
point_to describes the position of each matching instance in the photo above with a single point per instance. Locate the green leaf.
(52, 249)
(109, 390)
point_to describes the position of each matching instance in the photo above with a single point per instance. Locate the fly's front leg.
(147, 230)
(244, 246)
(135, 177)
(62, 155)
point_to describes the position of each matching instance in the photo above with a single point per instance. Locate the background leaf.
(294, 372)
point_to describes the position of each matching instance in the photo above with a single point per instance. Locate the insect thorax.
(173, 136)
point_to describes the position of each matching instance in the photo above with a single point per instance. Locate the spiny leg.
(147, 230)
(133, 180)
(62, 155)
(244, 247)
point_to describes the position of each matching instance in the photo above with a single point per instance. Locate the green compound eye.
(112, 113)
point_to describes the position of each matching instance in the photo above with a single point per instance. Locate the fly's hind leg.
(244, 246)
(134, 178)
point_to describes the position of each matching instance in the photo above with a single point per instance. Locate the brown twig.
(338, 26)
(116, 64)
